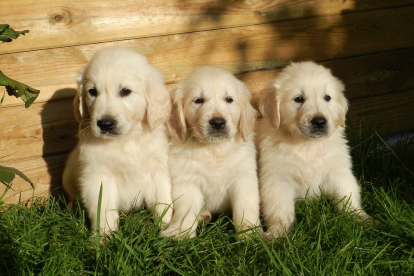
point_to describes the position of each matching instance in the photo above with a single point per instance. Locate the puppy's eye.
(199, 101)
(327, 98)
(93, 92)
(229, 99)
(125, 92)
(299, 99)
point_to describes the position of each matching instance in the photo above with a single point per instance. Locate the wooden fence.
(369, 44)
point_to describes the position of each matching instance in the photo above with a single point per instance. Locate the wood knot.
(62, 17)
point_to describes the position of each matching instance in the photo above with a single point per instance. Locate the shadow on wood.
(59, 137)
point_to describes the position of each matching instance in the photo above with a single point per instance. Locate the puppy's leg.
(341, 185)
(109, 204)
(278, 203)
(70, 177)
(162, 199)
(244, 197)
(188, 202)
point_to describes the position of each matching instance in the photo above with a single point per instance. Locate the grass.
(46, 239)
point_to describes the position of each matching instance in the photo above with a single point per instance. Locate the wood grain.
(252, 48)
(392, 113)
(41, 130)
(62, 23)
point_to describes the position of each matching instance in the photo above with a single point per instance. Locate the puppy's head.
(211, 105)
(118, 91)
(305, 100)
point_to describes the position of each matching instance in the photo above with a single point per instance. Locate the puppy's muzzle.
(107, 125)
(217, 129)
(318, 122)
(319, 126)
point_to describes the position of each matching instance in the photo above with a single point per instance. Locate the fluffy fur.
(301, 144)
(213, 158)
(121, 105)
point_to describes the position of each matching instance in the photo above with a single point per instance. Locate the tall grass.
(46, 239)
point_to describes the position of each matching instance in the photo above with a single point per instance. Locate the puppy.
(121, 105)
(213, 157)
(301, 144)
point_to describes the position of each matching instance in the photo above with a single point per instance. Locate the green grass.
(46, 239)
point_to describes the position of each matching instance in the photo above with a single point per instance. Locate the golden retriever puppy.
(122, 106)
(213, 157)
(301, 144)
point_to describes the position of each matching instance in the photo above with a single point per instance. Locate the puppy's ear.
(176, 124)
(248, 113)
(158, 101)
(79, 105)
(269, 106)
(343, 105)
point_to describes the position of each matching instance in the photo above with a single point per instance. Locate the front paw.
(204, 216)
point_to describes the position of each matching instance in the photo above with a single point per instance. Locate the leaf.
(7, 175)
(2, 99)
(7, 34)
(19, 90)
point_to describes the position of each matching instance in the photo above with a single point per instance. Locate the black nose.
(106, 124)
(217, 123)
(318, 122)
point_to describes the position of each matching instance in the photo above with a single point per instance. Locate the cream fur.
(295, 158)
(131, 160)
(212, 173)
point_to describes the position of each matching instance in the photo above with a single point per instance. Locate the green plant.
(19, 90)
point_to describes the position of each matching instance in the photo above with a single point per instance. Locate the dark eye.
(125, 92)
(299, 99)
(327, 98)
(199, 101)
(93, 92)
(229, 99)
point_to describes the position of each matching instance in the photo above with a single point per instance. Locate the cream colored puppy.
(301, 144)
(213, 158)
(122, 105)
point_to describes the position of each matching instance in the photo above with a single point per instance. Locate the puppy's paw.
(205, 216)
(249, 232)
(365, 219)
(169, 233)
(176, 234)
(270, 236)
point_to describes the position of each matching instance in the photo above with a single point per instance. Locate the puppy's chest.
(127, 158)
(311, 163)
(215, 167)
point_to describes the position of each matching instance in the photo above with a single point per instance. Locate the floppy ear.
(158, 101)
(79, 105)
(343, 105)
(269, 106)
(248, 113)
(176, 124)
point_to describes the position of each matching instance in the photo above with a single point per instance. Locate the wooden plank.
(245, 49)
(62, 23)
(374, 75)
(41, 130)
(45, 173)
(363, 76)
(50, 128)
(391, 113)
